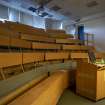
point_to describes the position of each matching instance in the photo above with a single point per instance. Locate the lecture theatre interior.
(52, 52)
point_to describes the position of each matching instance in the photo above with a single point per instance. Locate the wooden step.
(4, 41)
(38, 38)
(46, 46)
(25, 29)
(56, 56)
(68, 41)
(75, 47)
(20, 43)
(33, 57)
(10, 59)
(79, 55)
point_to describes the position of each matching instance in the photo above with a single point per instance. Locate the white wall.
(53, 24)
(68, 26)
(96, 26)
(11, 14)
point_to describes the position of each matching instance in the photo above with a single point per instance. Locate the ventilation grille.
(92, 4)
(32, 9)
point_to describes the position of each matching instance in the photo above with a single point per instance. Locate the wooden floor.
(70, 98)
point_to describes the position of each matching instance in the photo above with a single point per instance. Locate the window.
(13, 15)
(38, 22)
(3, 12)
(26, 18)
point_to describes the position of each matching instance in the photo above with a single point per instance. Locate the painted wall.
(52, 24)
(96, 26)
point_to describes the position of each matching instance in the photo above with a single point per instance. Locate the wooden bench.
(8, 33)
(80, 56)
(68, 41)
(10, 60)
(22, 89)
(75, 47)
(38, 38)
(19, 43)
(25, 29)
(51, 88)
(33, 57)
(60, 36)
(46, 46)
(4, 41)
(32, 60)
(56, 56)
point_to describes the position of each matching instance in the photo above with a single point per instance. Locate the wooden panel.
(22, 28)
(99, 55)
(28, 58)
(90, 81)
(60, 36)
(79, 55)
(20, 43)
(75, 47)
(10, 59)
(100, 94)
(51, 88)
(32, 57)
(8, 33)
(56, 56)
(84, 47)
(71, 47)
(6, 99)
(4, 41)
(37, 38)
(55, 31)
(12, 71)
(86, 80)
(39, 56)
(36, 45)
(68, 41)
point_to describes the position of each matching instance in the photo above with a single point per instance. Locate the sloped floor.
(70, 98)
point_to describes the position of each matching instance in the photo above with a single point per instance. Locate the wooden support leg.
(2, 74)
(23, 70)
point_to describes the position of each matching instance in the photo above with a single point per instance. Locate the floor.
(70, 98)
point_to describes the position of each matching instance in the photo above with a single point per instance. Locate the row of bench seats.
(19, 43)
(25, 29)
(46, 92)
(12, 64)
(28, 37)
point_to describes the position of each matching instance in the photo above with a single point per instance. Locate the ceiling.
(73, 9)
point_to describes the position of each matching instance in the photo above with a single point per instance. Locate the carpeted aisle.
(69, 98)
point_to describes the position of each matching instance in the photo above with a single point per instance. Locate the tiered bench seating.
(56, 56)
(68, 41)
(46, 46)
(47, 92)
(7, 60)
(37, 38)
(80, 57)
(75, 47)
(22, 28)
(4, 41)
(19, 43)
